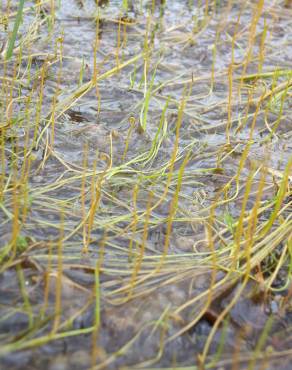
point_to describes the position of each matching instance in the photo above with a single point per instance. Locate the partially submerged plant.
(149, 205)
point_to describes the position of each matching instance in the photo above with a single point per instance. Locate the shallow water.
(97, 150)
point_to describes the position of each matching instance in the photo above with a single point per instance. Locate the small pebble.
(274, 307)
(80, 358)
(37, 178)
(59, 363)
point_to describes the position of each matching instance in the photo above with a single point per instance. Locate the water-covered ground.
(145, 210)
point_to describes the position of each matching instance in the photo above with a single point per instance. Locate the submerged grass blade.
(171, 218)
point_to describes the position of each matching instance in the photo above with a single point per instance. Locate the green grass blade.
(15, 30)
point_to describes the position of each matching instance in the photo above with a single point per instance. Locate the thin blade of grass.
(15, 30)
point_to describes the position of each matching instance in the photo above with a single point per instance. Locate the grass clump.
(145, 185)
